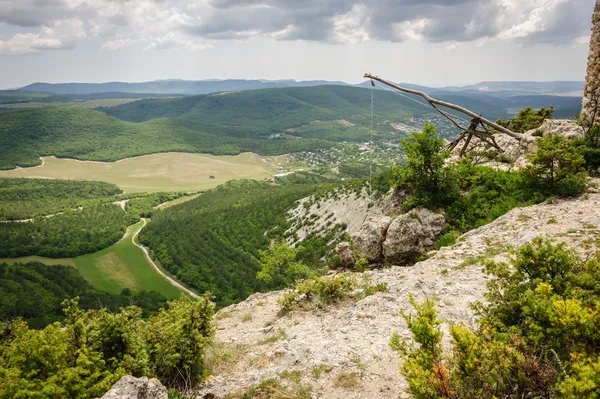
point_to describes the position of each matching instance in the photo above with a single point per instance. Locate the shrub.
(319, 291)
(557, 167)
(536, 335)
(590, 149)
(431, 183)
(447, 240)
(280, 267)
(527, 119)
(86, 354)
(177, 337)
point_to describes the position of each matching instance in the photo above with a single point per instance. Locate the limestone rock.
(368, 241)
(411, 234)
(515, 151)
(392, 204)
(345, 252)
(559, 127)
(130, 387)
(591, 92)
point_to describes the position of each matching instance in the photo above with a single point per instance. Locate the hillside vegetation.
(267, 122)
(84, 134)
(213, 242)
(26, 198)
(34, 291)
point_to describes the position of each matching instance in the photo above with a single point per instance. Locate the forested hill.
(173, 86)
(278, 109)
(268, 122)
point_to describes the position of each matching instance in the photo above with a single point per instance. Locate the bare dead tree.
(468, 132)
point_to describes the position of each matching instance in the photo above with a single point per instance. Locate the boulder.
(130, 387)
(412, 234)
(559, 127)
(345, 252)
(392, 204)
(369, 239)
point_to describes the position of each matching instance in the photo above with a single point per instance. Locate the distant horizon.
(435, 86)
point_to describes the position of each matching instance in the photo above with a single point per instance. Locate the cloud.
(62, 35)
(117, 44)
(193, 24)
(35, 13)
(172, 40)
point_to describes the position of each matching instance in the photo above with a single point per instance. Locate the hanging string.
(371, 142)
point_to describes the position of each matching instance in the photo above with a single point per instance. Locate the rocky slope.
(343, 351)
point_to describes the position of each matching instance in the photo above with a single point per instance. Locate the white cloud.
(117, 44)
(452, 46)
(351, 27)
(63, 34)
(173, 40)
(410, 30)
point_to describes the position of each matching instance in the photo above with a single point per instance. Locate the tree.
(280, 267)
(527, 119)
(557, 166)
(431, 183)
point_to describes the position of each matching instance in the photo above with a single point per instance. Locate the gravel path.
(147, 255)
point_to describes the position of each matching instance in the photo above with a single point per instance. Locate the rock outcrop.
(514, 151)
(369, 239)
(558, 127)
(591, 92)
(130, 387)
(412, 234)
(353, 337)
(345, 252)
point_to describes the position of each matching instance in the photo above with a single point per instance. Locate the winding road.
(147, 255)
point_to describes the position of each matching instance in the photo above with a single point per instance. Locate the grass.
(347, 380)
(153, 173)
(119, 266)
(221, 358)
(280, 336)
(123, 265)
(320, 369)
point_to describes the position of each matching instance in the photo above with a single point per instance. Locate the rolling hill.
(268, 122)
(170, 86)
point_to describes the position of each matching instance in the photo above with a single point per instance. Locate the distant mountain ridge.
(194, 87)
(171, 86)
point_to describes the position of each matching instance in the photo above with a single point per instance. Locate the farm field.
(123, 265)
(156, 172)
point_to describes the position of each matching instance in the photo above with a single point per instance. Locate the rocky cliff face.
(591, 99)
(342, 352)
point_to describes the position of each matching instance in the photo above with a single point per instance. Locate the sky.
(429, 42)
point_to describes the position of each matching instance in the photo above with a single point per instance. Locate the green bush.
(279, 267)
(590, 149)
(430, 182)
(557, 167)
(91, 350)
(537, 334)
(527, 119)
(319, 292)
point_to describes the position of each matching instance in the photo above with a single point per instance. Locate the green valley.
(266, 122)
